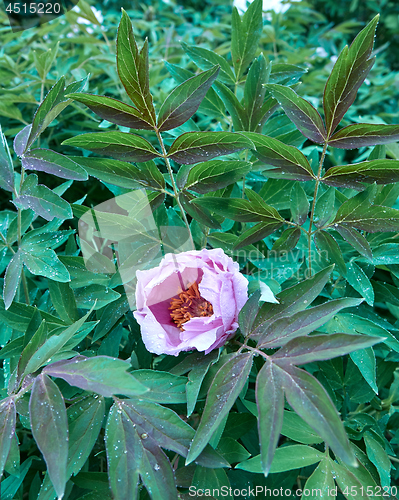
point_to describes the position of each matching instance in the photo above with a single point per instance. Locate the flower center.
(189, 305)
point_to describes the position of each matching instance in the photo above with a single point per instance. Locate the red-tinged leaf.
(248, 313)
(351, 176)
(45, 160)
(374, 219)
(270, 404)
(288, 161)
(193, 147)
(240, 209)
(7, 429)
(225, 388)
(256, 233)
(114, 111)
(102, 374)
(364, 134)
(117, 144)
(12, 279)
(21, 140)
(215, 174)
(327, 244)
(198, 213)
(292, 300)
(279, 332)
(49, 425)
(310, 401)
(300, 112)
(6, 166)
(287, 241)
(348, 73)
(304, 350)
(133, 69)
(184, 100)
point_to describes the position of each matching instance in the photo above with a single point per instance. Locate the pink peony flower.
(190, 301)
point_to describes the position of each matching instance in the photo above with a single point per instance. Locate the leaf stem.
(175, 190)
(316, 188)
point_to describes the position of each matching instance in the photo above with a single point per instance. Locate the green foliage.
(220, 145)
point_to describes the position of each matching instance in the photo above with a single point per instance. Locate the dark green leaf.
(254, 94)
(300, 112)
(63, 300)
(298, 430)
(299, 204)
(360, 135)
(215, 174)
(349, 72)
(164, 387)
(114, 111)
(117, 144)
(322, 481)
(6, 166)
(373, 219)
(7, 429)
(357, 278)
(196, 146)
(256, 233)
(285, 74)
(364, 359)
(328, 245)
(378, 456)
(233, 106)
(49, 425)
(133, 69)
(357, 240)
(248, 313)
(198, 213)
(225, 388)
(287, 241)
(348, 481)
(36, 341)
(12, 279)
(324, 209)
(185, 99)
(288, 161)
(270, 404)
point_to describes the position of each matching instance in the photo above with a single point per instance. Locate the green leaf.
(225, 388)
(311, 402)
(198, 213)
(12, 279)
(123, 174)
(373, 219)
(299, 204)
(184, 100)
(206, 479)
(298, 430)
(348, 73)
(380, 459)
(44, 201)
(288, 161)
(364, 359)
(120, 145)
(287, 241)
(321, 481)
(49, 425)
(196, 146)
(63, 300)
(357, 240)
(245, 36)
(306, 118)
(357, 278)
(31, 346)
(324, 209)
(349, 482)
(114, 111)
(7, 429)
(163, 387)
(283, 329)
(45, 160)
(270, 404)
(328, 245)
(95, 296)
(286, 74)
(6, 166)
(133, 69)
(302, 350)
(256, 233)
(286, 458)
(205, 59)
(379, 171)
(233, 106)
(44, 262)
(102, 374)
(215, 174)
(361, 135)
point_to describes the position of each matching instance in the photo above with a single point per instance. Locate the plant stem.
(175, 190)
(316, 188)
(19, 224)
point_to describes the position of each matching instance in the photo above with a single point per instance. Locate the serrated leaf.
(45, 160)
(270, 404)
(361, 135)
(300, 112)
(245, 36)
(185, 99)
(133, 69)
(192, 147)
(6, 166)
(288, 161)
(215, 174)
(302, 350)
(311, 402)
(102, 374)
(7, 429)
(114, 111)
(12, 279)
(225, 388)
(44, 201)
(348, 73)
(49, 425)
(121, 145)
